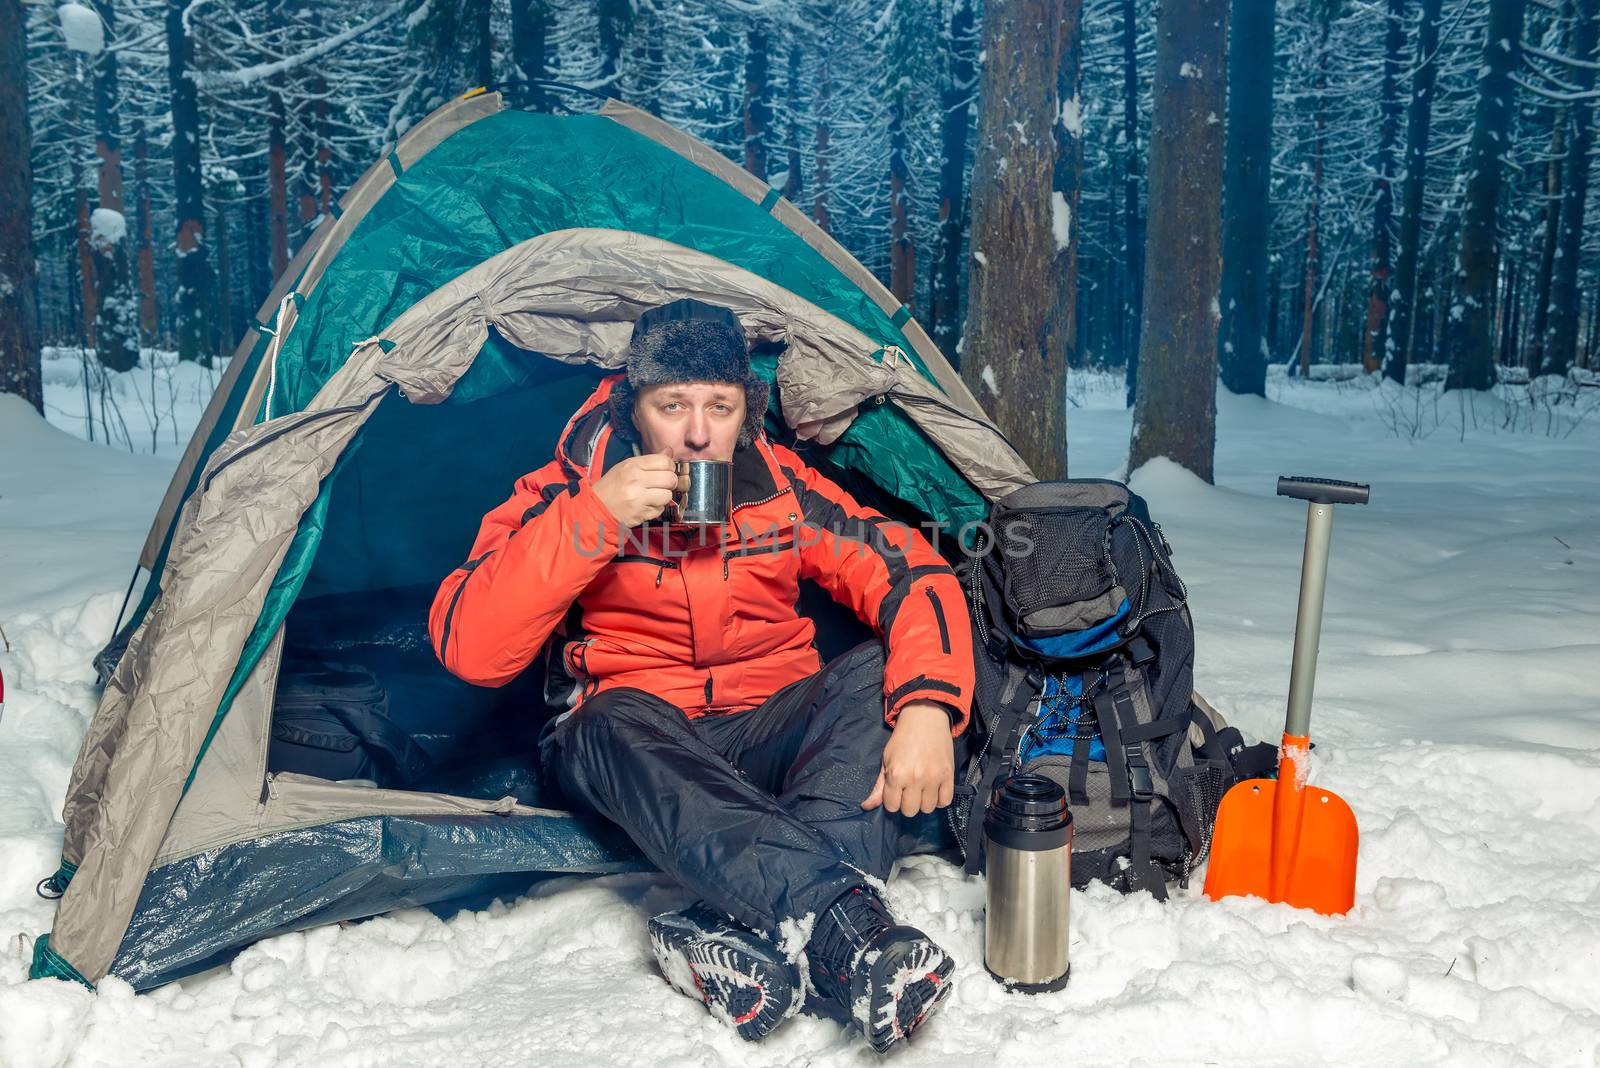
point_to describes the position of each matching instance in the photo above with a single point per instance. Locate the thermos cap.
(1029, 812)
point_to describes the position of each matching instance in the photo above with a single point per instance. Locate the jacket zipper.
(661, 565)
(938, 614)
(449, 614)
(755, 550)
(764, 500)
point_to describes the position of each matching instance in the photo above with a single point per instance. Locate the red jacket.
(704, 619)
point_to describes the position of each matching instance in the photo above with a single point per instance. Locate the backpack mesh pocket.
(1055, 558)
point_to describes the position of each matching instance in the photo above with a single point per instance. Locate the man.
(768, 784)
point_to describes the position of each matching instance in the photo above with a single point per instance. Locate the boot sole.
(719, 974)
(902, 969)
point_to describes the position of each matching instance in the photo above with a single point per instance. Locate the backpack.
(1083, 652)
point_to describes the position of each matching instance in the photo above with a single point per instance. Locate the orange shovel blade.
(1314, 835)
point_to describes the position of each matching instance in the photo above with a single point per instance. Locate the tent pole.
(126, 597)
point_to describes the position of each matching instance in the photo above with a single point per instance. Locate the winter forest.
(1376, 185)
(271, 272)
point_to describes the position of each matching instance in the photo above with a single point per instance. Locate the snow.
(81, 28)
(107, 227)
(1060, 220)
(149, 409)
(1189, 70)
(795, 933)
(1457, 709)
(989, 380)
(1072, 116)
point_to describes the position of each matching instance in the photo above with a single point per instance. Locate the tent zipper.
(274, 435)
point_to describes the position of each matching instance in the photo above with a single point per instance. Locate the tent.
(421, 352)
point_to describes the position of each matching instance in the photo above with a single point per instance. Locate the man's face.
(696, 420)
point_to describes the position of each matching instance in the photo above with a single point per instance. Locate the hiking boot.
(743, 979)
(887, 977)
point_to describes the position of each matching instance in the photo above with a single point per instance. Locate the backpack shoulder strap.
(1131, 778)
(1014, 709)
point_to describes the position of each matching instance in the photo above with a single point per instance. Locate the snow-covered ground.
(1458, 711)
(151, 409)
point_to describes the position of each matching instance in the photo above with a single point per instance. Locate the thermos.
(1028, 846)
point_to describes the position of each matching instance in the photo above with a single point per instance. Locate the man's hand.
(639, 488)
(919, 763)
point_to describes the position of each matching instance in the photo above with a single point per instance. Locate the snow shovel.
(1286, 841)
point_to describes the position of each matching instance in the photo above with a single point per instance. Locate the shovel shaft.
(1288, 812)
(1308, 622)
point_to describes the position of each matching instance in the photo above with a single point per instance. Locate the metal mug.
(708, 499)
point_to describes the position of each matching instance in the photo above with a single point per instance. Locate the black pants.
(757, 812)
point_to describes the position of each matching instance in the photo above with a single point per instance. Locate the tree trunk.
(149, 322)
(1274, 338)
(615, 18)
(193, 274)
(1247, 198)
(258, 252)
(1402, 317)
(1508, 310)
(1011, 362)
(1549, 239)
(1175, 411)
(757, 109)
(1066, 194)
(1561, 345)
(955, 101)
(277, 162)
(902, 251)
(304, 167)
(1375, 340)
(822, 106)
(1472, 337)
(87, 309)
(20, 371)
(224, 334)
(324, 151)
(116, 328)
(278, 186)
(530, 32)
(792, 175)
(1133, 235)
(1592, 346)
(482, 45)
(1308, 305)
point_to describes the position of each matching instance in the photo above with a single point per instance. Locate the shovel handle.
(1323, 490)
(1321, 494)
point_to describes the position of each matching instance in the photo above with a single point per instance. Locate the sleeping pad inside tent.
(424, 350)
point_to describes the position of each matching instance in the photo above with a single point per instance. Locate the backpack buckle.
(1139, 778)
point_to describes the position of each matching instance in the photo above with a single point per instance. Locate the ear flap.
(756, 392)
(620, 403)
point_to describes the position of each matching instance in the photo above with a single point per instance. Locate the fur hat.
(688, 341)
